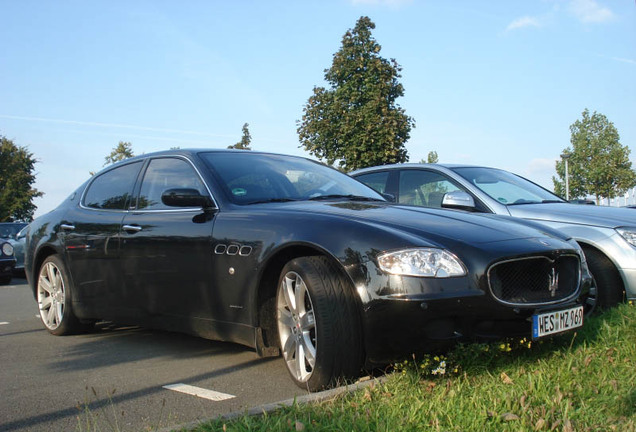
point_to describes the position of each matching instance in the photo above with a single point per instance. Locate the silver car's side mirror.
(458, 200)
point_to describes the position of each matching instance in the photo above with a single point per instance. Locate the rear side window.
(376, 181)
(112, 190)
(163, 174)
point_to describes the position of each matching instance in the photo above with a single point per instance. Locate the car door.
(91, 239)
(167, 251)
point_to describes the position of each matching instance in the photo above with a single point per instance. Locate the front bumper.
(629, 277)
(6, 267)
(395, 328)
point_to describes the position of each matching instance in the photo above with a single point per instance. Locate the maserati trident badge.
(553, 282)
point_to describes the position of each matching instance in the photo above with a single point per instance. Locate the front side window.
(163, 174)
(112, 190)
(424, 188)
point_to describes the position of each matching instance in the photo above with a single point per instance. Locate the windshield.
(10, 229)
(505, 187)
(250, 178)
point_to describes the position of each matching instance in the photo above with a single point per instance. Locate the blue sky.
(493, 83)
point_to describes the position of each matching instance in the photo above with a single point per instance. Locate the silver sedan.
(606, 234)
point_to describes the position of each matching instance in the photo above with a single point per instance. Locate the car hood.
(431, 223)
(581, 214)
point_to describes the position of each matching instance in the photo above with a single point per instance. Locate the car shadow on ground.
(109, 344)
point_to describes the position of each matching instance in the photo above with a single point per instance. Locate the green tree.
(356, 122)
(598, 164)
(246, 139)
(119, 153)
(432, 157)
(16, 182)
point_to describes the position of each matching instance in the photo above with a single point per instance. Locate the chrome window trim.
(145, 162)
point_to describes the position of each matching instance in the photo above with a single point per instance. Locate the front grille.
(535, 280)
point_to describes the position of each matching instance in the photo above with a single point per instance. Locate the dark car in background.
(9, 251)
(606, 234)
(7, 262)
(18, 244)
(286, 255)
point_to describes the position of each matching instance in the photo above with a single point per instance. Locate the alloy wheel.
(51, 295)
(296, 326)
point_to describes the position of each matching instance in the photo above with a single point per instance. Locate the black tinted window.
(375, 180)
(112, 189)
(163, 174)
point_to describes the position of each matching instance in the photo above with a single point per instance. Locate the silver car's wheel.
(318, 322)
(54, 298)
(296, 326)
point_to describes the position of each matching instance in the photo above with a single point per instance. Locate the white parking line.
(4, 323)
(199, 392)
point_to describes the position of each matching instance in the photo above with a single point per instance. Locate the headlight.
(426, 262)
(7, 249)
(629, 234)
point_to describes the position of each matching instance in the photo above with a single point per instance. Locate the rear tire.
(318, 323)
(54, 298)
(607, 281)
(5, 280)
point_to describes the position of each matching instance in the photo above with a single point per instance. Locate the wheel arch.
(42, 254)
(619, 275)
(587, 245)
(266, 330)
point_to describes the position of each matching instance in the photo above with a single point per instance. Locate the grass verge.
(578, 382)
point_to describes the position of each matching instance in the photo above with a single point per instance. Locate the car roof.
(419, 165)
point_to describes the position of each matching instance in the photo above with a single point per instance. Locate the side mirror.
(185, 198)
(389, 197)
(458, 200)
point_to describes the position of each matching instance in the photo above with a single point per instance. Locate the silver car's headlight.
(425, 262)
(629, 234)
(7, 249)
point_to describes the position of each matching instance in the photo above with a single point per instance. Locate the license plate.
(556, 321)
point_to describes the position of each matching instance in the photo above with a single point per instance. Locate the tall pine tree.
(356, 122)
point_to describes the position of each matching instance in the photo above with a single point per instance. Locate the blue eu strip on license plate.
(549, 323)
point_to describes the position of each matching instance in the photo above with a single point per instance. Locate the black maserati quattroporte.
(289, 256)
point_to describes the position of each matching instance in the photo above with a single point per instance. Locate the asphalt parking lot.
(122, 378)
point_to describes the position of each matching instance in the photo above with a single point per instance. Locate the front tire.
(54, 298)
(318, 323)
(607, 281)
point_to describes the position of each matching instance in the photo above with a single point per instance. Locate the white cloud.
(390, 3)
(623, 60)
(589, 11)
(523, 22)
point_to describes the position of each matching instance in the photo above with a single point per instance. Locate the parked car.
(7, 262)
(607, 235)
(283, 254)
(9, 230)
(18, 250)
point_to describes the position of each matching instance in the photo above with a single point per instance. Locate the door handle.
(132, 228)
(67, 227)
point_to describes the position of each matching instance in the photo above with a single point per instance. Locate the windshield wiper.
(349, 197)
(272, 200)
(550, 201)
